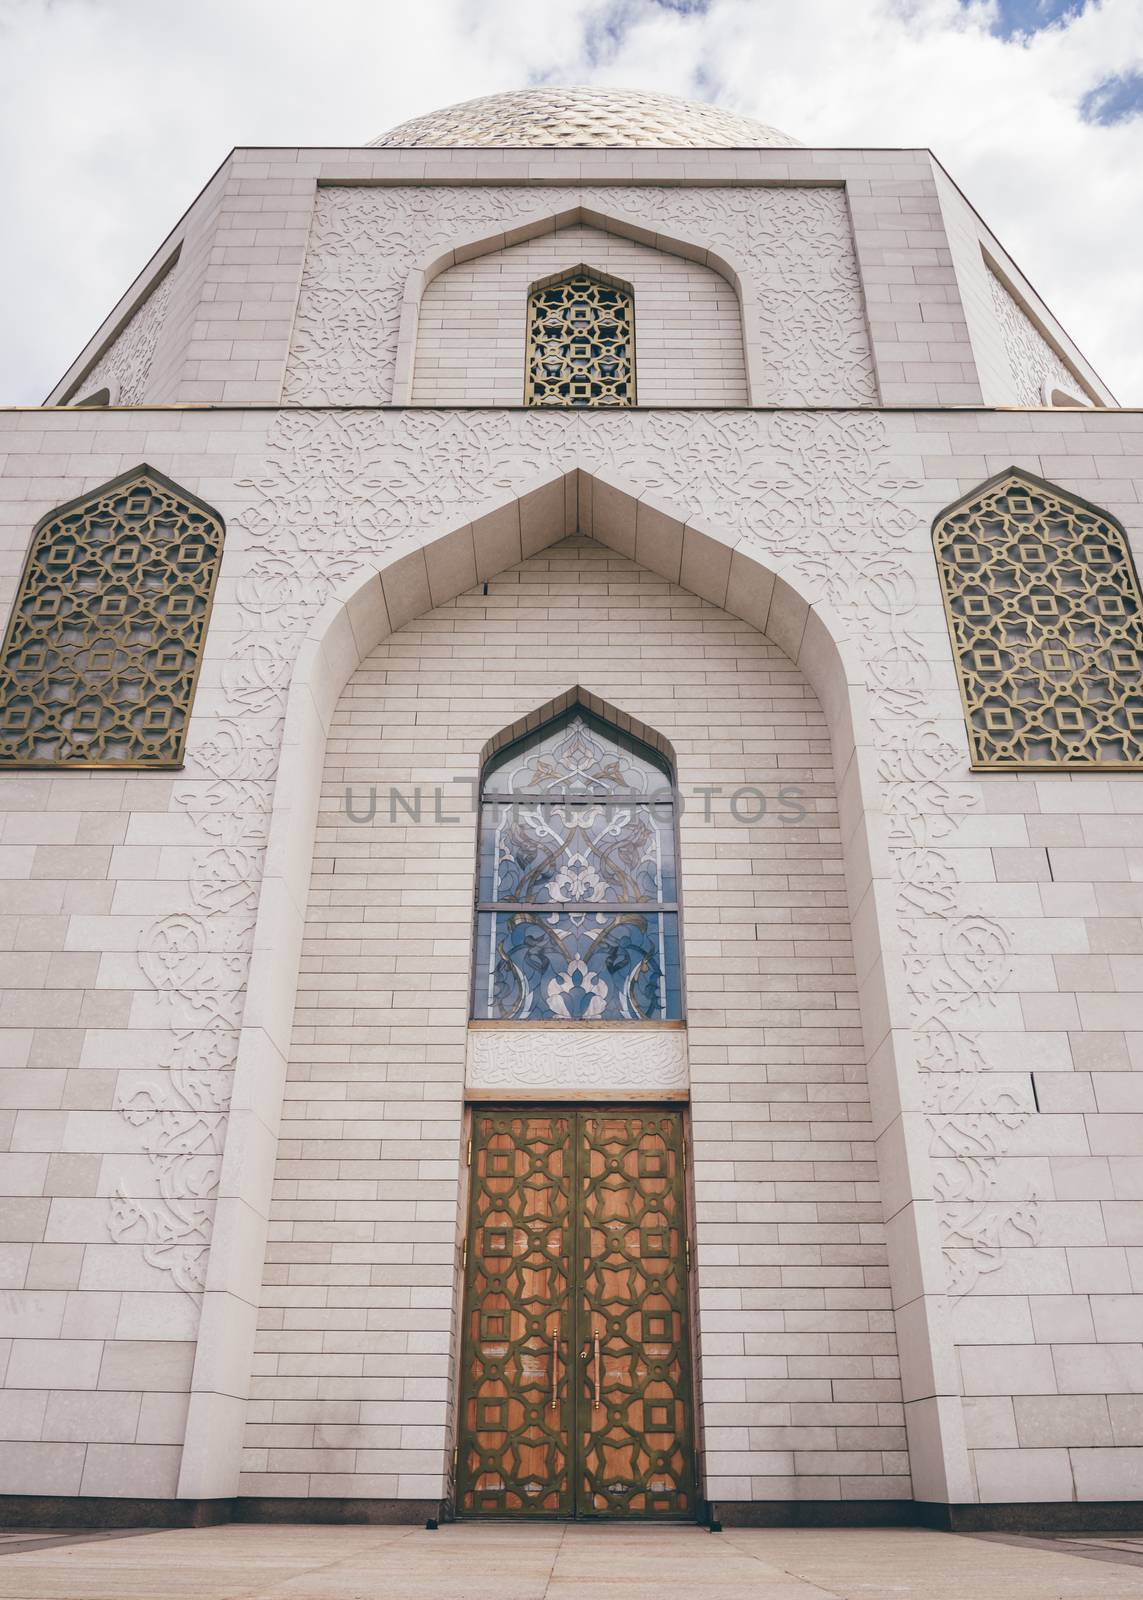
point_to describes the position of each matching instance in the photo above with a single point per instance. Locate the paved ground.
(562, 1563)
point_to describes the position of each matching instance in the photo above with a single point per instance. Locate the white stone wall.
(126, 905)
(997, 920)
(124, 370)
(473, 323)
(147, 339)
(1036, 370)
(301, 271)
(1011, 356)
(373, 253)
(798, 1371)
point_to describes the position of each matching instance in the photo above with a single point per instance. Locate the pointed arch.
(492, 237)
(577, 913)
(581, 341)
(103, 647)
(1045, 617)
(697, 555)
(592, 703)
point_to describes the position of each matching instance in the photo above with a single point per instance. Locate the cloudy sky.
(113, 113)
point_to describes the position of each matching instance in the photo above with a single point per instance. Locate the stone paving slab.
(1125, 1548)
(563, 1562)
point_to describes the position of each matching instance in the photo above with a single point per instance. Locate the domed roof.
(552, 117)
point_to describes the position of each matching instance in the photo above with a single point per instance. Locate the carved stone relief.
(816, 496)
(573, 1061)
(125, 366)
(1036, 368)
(794, 244)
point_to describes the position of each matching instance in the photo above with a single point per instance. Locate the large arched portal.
(359, 1016)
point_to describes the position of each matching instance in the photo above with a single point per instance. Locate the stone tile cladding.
(795, 246)
(1004, 315)
(246, 242)
(125, 927)
(1009, 924)
(799, 1369)
(472, 330)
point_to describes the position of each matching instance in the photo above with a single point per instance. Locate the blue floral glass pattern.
(576, 910)
(577, 852)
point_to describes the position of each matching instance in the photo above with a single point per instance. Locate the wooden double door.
(576, 1370)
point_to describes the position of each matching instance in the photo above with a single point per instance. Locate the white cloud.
(113, 113)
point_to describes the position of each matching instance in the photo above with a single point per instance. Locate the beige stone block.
(1099, 1369)
(658, 540)
(1067, 1420)
(37, 1468)
(750, 587)
(613, 517)
(22, 1413)
(992, 1319)
(125, 1470)
(55, 1266)
(406, 586)
(451, 564)
(786, 620)
(496, 539)
(705, 565)
(91, 1418)
(162, 1419)
(146, 1364)
(1023, 1475)
(1062, 1318)
(54, 1363)
(542, 517)
(1103, 1474)
(990, 1422)
(1008, 1370)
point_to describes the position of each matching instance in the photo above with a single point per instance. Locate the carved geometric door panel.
(575, 1381)
(635, 1455)
(512, 1456)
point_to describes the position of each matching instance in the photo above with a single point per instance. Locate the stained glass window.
(1046, 619)
(577, 904)
(102, 651)
(581, 344)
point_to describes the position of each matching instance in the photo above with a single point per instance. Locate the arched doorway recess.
(728, 575)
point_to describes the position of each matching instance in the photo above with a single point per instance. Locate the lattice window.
(581, 343)
(1044, 608)
(577, 916)
(102, 652)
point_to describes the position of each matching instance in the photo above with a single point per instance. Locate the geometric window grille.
(577, 915)
(102, 652)
(581, 343)
(1044, 608)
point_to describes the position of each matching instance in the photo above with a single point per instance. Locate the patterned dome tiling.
(551, 117)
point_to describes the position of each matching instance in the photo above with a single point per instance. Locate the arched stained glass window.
(581, 343)
(577, 916)
(1044, 609)
(102, 651)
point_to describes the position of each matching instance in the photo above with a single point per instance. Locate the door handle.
(596, 1406)
(555, 1371)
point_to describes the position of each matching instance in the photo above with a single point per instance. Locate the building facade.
(571, 754)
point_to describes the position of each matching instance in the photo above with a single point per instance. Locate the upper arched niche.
(471, 326)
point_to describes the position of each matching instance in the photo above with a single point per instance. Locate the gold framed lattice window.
(1043, 605)
(103, 647)
(581, 343)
